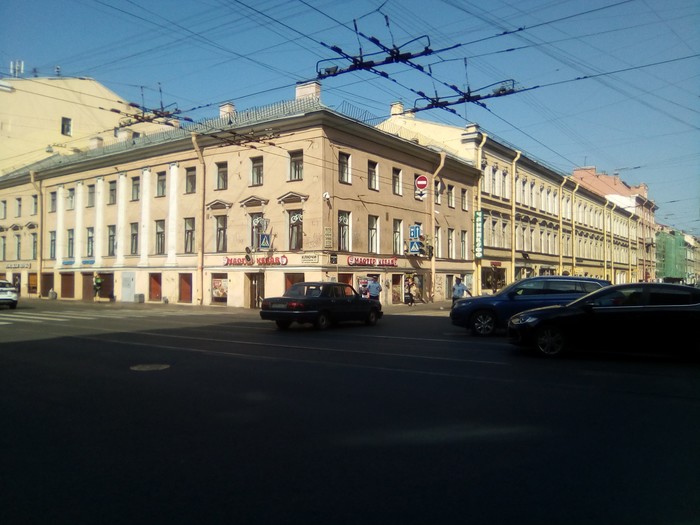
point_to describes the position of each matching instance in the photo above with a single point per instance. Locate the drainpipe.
(561, 226)
(40, 233)
(612, 244)
(432, 225)
(200, 243)
(512, 214)
(573, 230)
(477, 262)
(629, 248)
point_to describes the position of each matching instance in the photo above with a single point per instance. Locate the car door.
(526, 295)
(616, 320)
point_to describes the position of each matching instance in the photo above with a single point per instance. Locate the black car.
(321, 304)
(643, 317)
(483, 314)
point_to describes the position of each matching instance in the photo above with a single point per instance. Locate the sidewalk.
(389, 309)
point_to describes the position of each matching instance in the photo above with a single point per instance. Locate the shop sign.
(308, 258)
(260, 261)
(372, 261)
(478, 234)
(11, 266)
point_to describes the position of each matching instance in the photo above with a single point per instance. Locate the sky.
(613, 84)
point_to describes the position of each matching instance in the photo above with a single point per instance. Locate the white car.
(8, 294)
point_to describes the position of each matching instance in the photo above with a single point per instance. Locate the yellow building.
(229, 210)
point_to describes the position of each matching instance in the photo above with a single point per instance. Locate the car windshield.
(6, 284)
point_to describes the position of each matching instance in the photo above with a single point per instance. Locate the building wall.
(237, 275)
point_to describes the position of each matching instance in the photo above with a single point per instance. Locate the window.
(221, 224)
(256, 171)
(70, 199)
(112, 197)
(222, 175)
(189, 235)
(134, 238)
(160, 184)
(257, 225)
(465, 201)
(344, 231)
(90, 246)
(160, 237)
(397, 237)
(18, 207)
(296, 165)
(135, 188)
(451, 243)
(91, 196)
(450, 196)
(3, 209)
(18, 247)
(373, 234)
(70, 236)
(372, 175)
(396, 181)
(3, 248)
(438, 192)
(52, 244)
(66, 126)
(190, 180)
(437, 242)
(111, 239)
(463, 244)
(35, 245)
(35, 204)
(52, 202)
(296, 229)
(344, 168)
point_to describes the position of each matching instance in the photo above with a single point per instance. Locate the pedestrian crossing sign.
(264, 240)
(414, 246)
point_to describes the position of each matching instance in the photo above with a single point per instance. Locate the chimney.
(227, 109)
(124, 134)
(308, 89)
(396, 108)
(96, 142)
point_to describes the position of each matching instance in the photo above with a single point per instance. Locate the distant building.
(40, 117)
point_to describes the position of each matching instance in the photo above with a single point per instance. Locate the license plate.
(279, 306)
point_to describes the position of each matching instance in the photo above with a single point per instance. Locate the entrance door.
(154, 287)
(185, 287)
(68, 285)
(256, 289)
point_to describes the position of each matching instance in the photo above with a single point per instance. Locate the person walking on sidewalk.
(458, 290)
(374, 288)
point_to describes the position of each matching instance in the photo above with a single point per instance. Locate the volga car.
(320, 304)
(484, 314)
(8, 294)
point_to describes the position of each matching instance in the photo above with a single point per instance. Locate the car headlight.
(524, 319)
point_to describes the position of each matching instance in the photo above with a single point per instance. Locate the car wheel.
(483, 323)
(371, 317)
(550, 341)
(323, 321)
(283, 325)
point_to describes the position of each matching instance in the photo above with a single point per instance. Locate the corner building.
(233, 209)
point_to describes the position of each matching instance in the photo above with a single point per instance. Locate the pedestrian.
(374, 288)
(458, 290)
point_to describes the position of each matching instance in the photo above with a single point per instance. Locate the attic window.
(66, 126)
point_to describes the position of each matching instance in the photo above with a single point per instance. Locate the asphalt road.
(117, 413)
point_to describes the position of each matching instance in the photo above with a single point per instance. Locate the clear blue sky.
(636, 112)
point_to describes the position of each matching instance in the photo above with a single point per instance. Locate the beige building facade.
(236, 208)
(538, 221)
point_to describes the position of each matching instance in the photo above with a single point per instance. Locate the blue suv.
(483, 314)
